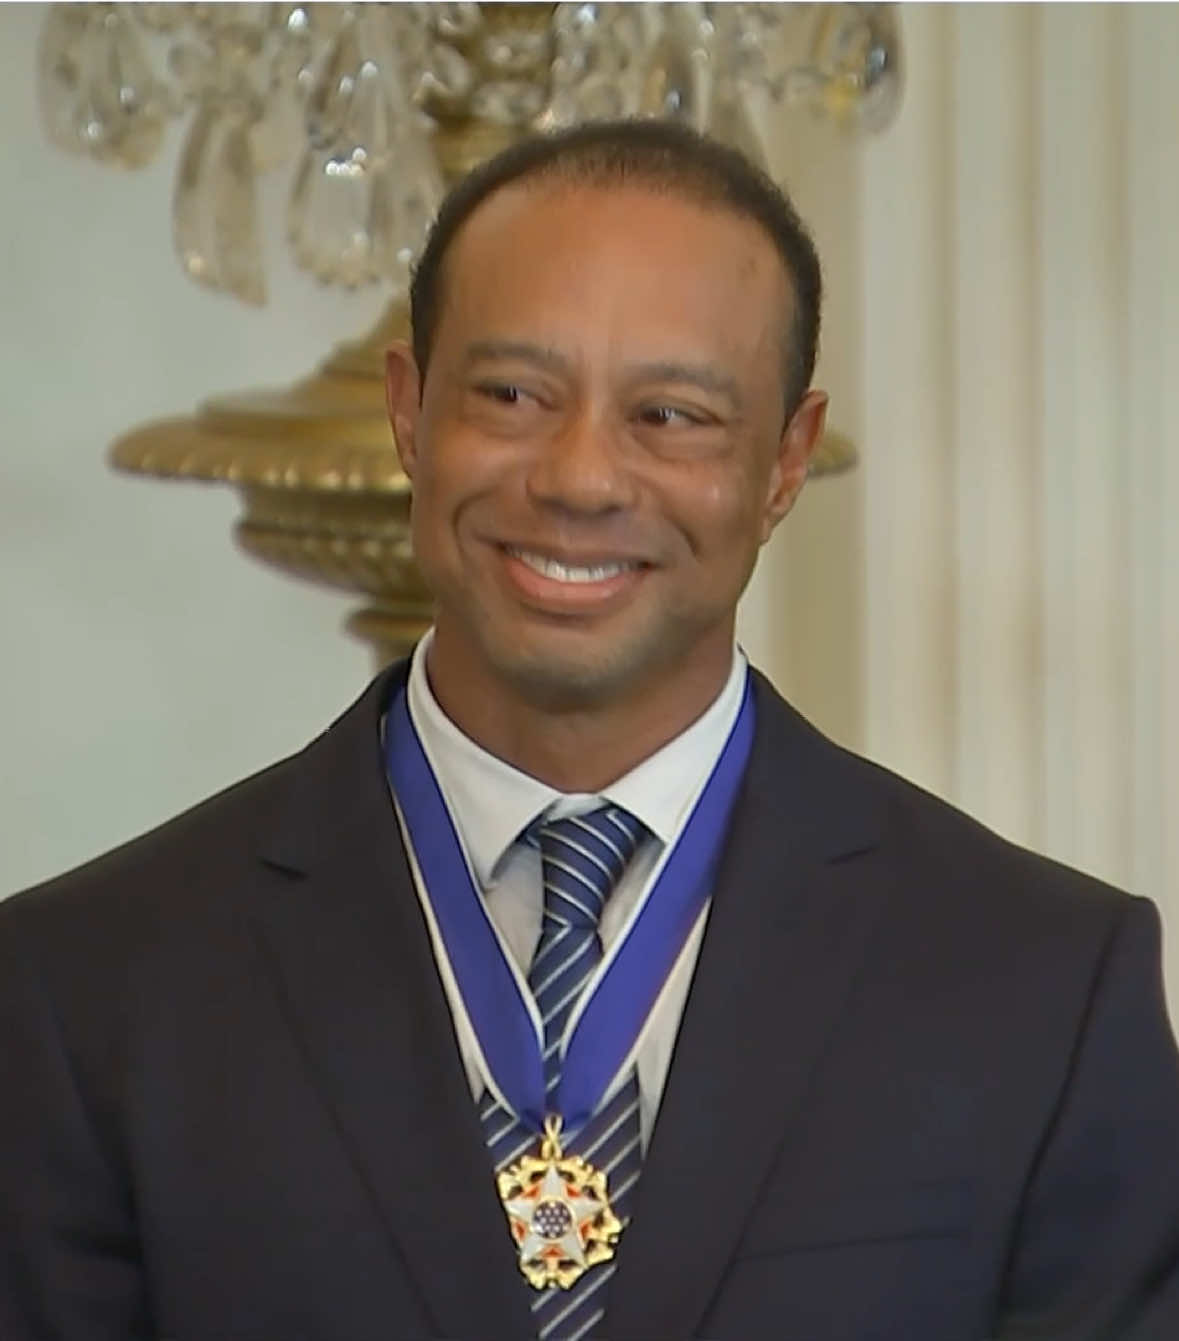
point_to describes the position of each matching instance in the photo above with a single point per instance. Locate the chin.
(568, 678)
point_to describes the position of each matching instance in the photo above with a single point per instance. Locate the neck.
(580, 747)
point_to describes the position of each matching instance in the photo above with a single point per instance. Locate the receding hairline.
(548, 182)
(559, 177)
(663, 159)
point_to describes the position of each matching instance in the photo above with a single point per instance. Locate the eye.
(504, 393)
(666, 415)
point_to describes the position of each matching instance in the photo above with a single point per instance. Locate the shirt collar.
(492, 803)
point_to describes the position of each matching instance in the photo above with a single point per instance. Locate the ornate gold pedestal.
(325, 498)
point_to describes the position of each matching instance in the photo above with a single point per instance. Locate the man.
(571, 984)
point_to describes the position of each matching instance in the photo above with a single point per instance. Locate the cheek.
(722, 520)
(446, 474)
(431, 512)
(461, 482)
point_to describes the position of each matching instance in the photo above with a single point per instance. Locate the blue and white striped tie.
(582, 859)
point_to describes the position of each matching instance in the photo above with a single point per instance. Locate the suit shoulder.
(938, 848)
(160, 863)
(199, 859)
(974, 861)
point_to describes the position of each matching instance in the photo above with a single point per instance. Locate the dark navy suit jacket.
(924, 1087)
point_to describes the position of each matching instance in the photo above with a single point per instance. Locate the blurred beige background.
(989, 605)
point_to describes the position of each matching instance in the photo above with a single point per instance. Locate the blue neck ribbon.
(497, 1000)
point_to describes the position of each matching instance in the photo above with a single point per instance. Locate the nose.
(581, 470)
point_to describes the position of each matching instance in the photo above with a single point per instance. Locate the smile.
(556, 571)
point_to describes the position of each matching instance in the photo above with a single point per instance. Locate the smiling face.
(599, 452)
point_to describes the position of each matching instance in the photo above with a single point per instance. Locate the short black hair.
(663, 156)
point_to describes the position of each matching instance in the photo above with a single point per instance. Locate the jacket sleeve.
(1096, 1250)
(69, 1264)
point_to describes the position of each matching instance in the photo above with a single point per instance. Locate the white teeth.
(560, 572)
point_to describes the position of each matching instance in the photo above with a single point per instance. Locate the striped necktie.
(582, 859)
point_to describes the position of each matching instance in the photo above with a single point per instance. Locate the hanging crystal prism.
(597, 65)
(671, 86)
(362, 88)
(214, 213)
(98, 93)
(285, 82)
(214, 209)
(853, 74)
(368, 183)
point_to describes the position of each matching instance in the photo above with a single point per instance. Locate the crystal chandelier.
(374, 109)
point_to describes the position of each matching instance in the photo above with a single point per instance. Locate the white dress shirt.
(492, 803)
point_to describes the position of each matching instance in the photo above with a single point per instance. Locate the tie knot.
(583, 857)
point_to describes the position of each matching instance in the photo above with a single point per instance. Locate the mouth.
(559, 570)
(571, 584)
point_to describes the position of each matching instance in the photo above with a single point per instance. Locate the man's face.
(599, 449)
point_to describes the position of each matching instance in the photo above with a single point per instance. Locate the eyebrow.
(523, 350)
(692, 374)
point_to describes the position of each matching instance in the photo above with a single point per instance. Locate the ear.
(403, 400)
(796, 446)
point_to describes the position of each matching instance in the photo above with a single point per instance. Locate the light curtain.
(1020, 428)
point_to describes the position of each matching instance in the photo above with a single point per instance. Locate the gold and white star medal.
(558, 1212)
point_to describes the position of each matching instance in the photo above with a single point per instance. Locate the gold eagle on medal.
(558, 1212)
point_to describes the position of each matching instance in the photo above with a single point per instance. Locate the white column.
(1084, 491)
(910, 668)
(995, 392)
(1146, 448)
(1021, 431)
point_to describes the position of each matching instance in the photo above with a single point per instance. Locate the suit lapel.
(792, 912)
(342, 931)
(356, 976)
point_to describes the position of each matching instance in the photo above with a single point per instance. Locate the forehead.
(628, 263)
